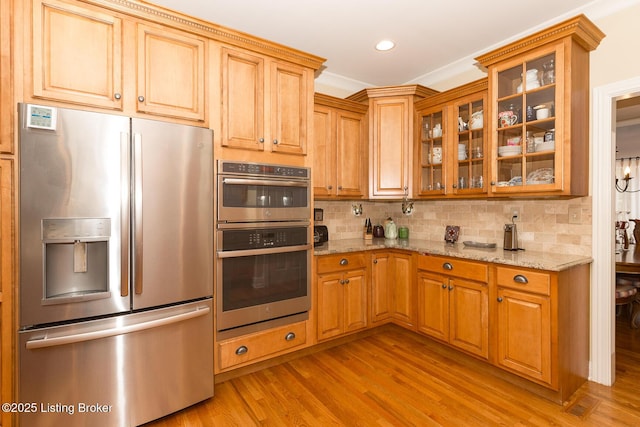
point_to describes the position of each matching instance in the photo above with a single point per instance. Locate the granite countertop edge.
(522, 258)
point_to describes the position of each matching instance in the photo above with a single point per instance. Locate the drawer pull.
(242, 350)
(290, 336)
(344, 261)
(447, 266)
(519, 278)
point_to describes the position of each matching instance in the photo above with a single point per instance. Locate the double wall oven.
(263, 245)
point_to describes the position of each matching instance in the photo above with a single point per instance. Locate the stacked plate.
(509, 150)
(462, 152)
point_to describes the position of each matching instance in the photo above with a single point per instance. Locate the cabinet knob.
(344, 261)
(242, 350)
(493, 183)
(375, 261)
(447, 266)
(455, 186)
(275, 142)
(261, 140)
(444, 286)
(330, 187)
(117, 95)
(346, 282)
(519, 278)
(290, 336)
(499, 299)
(450, 287)
(141, 98)
(339, 187)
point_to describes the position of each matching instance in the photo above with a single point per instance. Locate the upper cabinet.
(538, 112)
(451, 143)
(69, 66)
(339, 148)
(266, 103)
(391, 121)
(7, 105)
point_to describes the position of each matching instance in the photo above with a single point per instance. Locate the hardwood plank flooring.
(398, 378)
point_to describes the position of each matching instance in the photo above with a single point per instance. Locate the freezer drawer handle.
(75, 338)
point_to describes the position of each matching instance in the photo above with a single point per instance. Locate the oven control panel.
(235, 240)
(262, 169)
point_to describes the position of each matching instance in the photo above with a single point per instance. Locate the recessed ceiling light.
(385, 45)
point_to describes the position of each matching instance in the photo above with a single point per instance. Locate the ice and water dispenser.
(76, 257)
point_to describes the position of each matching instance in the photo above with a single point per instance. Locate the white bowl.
(546, 146)
(510, 150)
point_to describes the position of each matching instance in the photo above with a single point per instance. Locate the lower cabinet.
(260, 345)
(342, 295)
(542, 326)
(453, 303)
(392, 288)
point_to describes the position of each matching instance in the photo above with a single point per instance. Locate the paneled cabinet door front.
(433, 305)
(290, 107)
(77, 54)
(469, 316)
(170, 73)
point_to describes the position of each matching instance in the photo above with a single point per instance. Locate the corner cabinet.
(392, 289)
(391, 121)
(267, 104)
(342, 294)
(106, 71)
(538, 111)
(339, 148)
(451, 143)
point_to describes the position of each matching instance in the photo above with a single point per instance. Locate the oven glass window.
(260, 279)
(262, 196)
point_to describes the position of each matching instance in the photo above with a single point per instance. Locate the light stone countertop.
(522, 258)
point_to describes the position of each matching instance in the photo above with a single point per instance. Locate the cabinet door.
(380, 290)
(324, 165)
(68, 64)
(390, 161)
(7, 106)
(355, 300)
(7, 262)
(350, 138)
(402, 285)
(469, 146)
(469, 316)
(289, 108)
(524, 334)
(242, 100)
(330, 305)
(433, 305)
(170, 73)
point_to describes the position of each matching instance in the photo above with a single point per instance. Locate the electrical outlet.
(515, 214)
(575, 215)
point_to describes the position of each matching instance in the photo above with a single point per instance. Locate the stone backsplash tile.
(543, 224)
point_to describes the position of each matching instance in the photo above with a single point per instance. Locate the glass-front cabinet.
(452, 145)
(538, 111)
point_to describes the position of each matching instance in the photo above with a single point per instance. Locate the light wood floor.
(398, 378)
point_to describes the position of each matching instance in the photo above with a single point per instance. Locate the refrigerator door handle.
(137, 213)
(105, 333)
(124, 215)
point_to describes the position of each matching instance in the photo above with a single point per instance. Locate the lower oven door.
(256, 285)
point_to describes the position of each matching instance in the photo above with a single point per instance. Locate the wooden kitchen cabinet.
(266, 103)
(7, 282)
(547, 71)
(453, 303)
(451, 143)
(107, 71)
(391, 122)
(236, 352)
(340, 138)
(542, 326)
(342, 294)
(7, 105)
(392, 288)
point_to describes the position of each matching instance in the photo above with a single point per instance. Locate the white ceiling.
(431, 36)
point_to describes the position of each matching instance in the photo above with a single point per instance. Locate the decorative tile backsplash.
(543, 224)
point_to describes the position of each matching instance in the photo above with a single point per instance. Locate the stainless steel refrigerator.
(116, 267)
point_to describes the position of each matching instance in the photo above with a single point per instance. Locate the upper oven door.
(250, 199)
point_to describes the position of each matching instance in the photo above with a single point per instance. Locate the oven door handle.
(267, 251)
(245, 181)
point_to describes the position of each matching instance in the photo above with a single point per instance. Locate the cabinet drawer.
(340, 262)
(254, 346)
(454, 267)
(524, 280)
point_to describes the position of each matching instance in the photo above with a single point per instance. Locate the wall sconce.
(407, 205)
(626, 179)
(356, 209)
